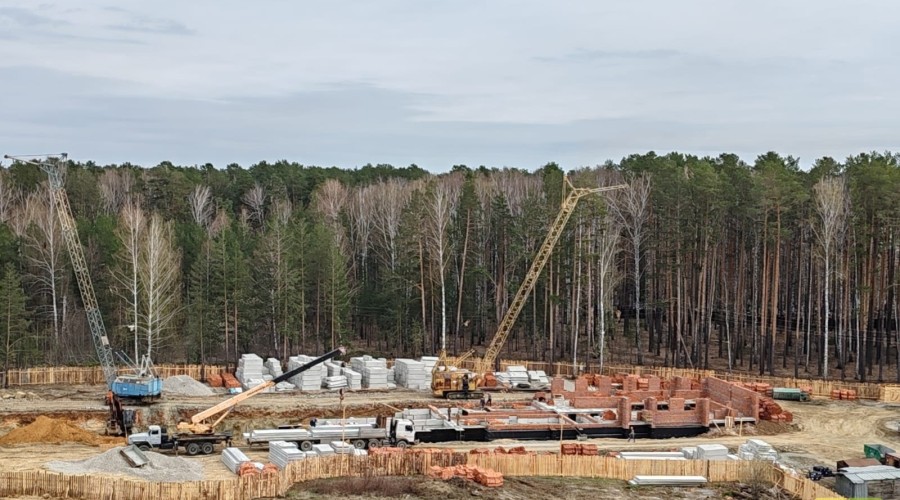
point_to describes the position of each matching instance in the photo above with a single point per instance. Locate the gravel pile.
(160, 467)
(185, 385)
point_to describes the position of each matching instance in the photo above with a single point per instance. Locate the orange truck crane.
(451, 382)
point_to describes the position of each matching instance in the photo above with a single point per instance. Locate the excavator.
(199, 436)
(453, 382)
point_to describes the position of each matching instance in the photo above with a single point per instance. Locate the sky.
(499, 83)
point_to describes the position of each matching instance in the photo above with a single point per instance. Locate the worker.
(313, 421)
(489, 400)
(465, 385)
(482, 402)
(631, 434)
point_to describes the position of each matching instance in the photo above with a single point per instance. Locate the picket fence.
(40, 483)
(89, 375)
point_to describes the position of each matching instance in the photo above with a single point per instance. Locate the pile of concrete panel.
(336, 382)
(354, 379)
(309, 380)
(233, 458)
(428, 362)
(514, 376)
(411, 374)
(342, 448)
(250, 370)
(323, 450)
(711, 452)
(333, 369)
(374, 371)
(538, 379)
(651, 455)
(668, 481)
(281, 453)
(274, 367)
(757, 449)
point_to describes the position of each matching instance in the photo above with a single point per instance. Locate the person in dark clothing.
(313, 421)
(482, 402)
(489, 400)
(465, 385)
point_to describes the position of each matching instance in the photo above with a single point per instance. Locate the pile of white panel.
(337, 382)
(284, 386)
(651, 455)
(354, 379)
(309, 380)
(712, 452)
(667, 481)
(428, 362)
(538, 379)
(359, 453)
(250, 371)
(689, 452)
(281, 453)
(411, 374)
(233, 458)
(322, 450)
(757, 449)
(342, 448)
(274, 367)
(513, 376)
(333, 369)
(374, 371)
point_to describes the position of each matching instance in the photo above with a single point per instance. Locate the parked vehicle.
(790, 394)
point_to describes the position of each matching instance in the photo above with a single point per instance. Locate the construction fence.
(40, 483)
(89, 375)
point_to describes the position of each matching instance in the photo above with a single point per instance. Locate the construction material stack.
(310, 380)
(250, 370)
(757, 449)
(233, 458)
(538, 379)
(514, 377)
(374, 371)
(711, 452)
(411, 374)
(282, 453)
(354, 378)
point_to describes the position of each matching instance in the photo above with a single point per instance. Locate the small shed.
(879, 481)
(857, 462)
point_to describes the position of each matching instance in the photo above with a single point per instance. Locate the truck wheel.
(192, 449)
(143, 447)
(374, 443)
(402, 444)
(359, 444)
(207, 448)
(306, 446)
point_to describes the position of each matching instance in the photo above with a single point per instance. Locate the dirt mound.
(185, 385)
(51, 430)
(160, 467)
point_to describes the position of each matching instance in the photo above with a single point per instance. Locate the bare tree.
(442, 204)
(9, 198)
(276, 253)
(255, 200)
(607, 247)
(832, 207)
(330, 200)
(115, 185)
(631, 206)
(390, 197)
(359, 211)
(45, 249)
(199, 203)
(131, 232)
(160, 271)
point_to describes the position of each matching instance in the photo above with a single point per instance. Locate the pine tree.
(13, 316)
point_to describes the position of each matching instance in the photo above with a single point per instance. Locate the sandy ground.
(824, 431)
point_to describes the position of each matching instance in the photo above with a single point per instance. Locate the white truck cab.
(404, 434)
(153, 436)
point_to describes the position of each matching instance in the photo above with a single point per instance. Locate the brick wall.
(744, 401)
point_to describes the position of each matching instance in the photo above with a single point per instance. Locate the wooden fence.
(88, 375)
(39, 483)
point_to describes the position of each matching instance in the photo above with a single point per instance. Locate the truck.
(790, 394)
(363, 434)
(158, 438)
(199, 435)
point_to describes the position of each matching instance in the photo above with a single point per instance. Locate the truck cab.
(403, 433)
(155, 437)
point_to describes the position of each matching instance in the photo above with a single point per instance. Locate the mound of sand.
(51, 430)
(160, 467)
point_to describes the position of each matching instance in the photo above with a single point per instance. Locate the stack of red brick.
(516, 450)
(229, 381)
(214, 380)
(770, 410)
(849, 394)
(484, 477)
(579, 449)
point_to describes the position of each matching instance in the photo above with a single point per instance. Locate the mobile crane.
(141, 383)
(451, 382)
(199, 435)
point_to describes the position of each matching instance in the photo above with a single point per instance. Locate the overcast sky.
(499, 83)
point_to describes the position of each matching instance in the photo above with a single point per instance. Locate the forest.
(697, 262)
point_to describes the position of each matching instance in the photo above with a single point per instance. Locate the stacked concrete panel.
(309, 380)
(233, 458)
(334, 383)
(374, 371)
(250, 371)
(354, 379)
(411, 374)
(757, 449)
(712, 452)
(282, 453)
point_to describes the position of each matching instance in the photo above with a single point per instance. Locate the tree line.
(697, 262)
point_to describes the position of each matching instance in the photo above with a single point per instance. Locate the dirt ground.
(824, 431)
(512, 489)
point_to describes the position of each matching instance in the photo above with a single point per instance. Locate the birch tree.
(631, 207)
(607, 276)
(131, 232)
(832, 208)
(115, 186)
(440, 208)
(160, 268)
